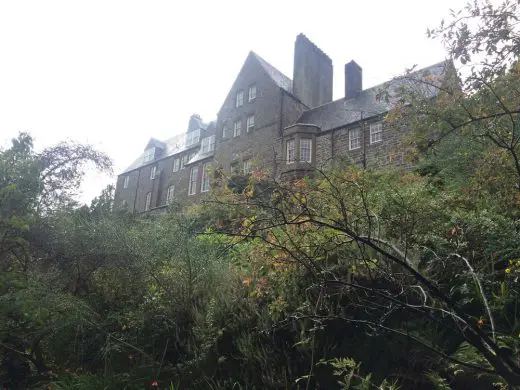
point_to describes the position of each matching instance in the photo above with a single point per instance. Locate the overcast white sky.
(115, 73)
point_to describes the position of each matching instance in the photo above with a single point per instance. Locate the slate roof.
(343, 111)
(278, 77)
(174, 145)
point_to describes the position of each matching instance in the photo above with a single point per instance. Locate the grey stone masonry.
(270, 122)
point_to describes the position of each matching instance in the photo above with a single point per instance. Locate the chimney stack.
(312, 73)
(353, 79)
(195, 122)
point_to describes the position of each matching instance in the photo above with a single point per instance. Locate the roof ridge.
(269, 64)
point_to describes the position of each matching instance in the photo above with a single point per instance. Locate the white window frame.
(208, 144)
(250, 122)
(252, 93)
(192, 138)
(148, 202)
(290, 151)
(225, 132)
(176, 165)
(246, 168)
(237, 128)
(194, 173)
(354, 139)
(170, 193)
(307, 141)
(126, 182)
(149, 154)
(184, 160)
(376, 132)
(240, 98)
(153, 172)
(205, 184)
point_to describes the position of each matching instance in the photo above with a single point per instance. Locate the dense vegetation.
(346, 279)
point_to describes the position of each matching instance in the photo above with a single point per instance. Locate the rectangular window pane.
(205, 185)
(290, 151)
(148, 201)
(376, 132)
(169, 194)
(240, 98)
(149, 154)
(208, 144)
(193, 137)
(153, 172)
(247, 167)
(306, 150)
(185, 159)
(252, 92)
(127, 180)
(176, 164)
(193, 180)
(354, 137)
(250, 122)
(237, 129)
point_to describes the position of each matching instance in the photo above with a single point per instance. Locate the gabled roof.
(155, 143)
(171, 146)
(369, 103)
(278, 77)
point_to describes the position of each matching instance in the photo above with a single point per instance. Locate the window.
(237, 128)
(184, 161)
(148, 203)
(247, 167)
(252, 93)
(290, 151)
(127, 180)
(176, 164)
(205, 184)
(153, 172)
(306, 150)
(124, 203)
(149, 154)
(192, 137)
(225, 133)
(376, 132)
(193, 180)
(208, 144)
(234, 168)
(354, 138)
(240, 98)
(169, 194)
(250, 122)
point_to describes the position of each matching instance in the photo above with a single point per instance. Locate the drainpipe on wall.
(136, 189)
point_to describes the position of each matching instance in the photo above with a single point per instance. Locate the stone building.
(273, 123)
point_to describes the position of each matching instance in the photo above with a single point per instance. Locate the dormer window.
(252, 93)
(149, 154)
(240, 98)
(192, 138)
(208, 144)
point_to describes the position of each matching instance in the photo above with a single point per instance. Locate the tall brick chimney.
(353, 79)
(194, 123)
(312, 74)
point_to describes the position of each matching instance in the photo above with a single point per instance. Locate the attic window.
(149, 154)
(208, 144)
(192, 138)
